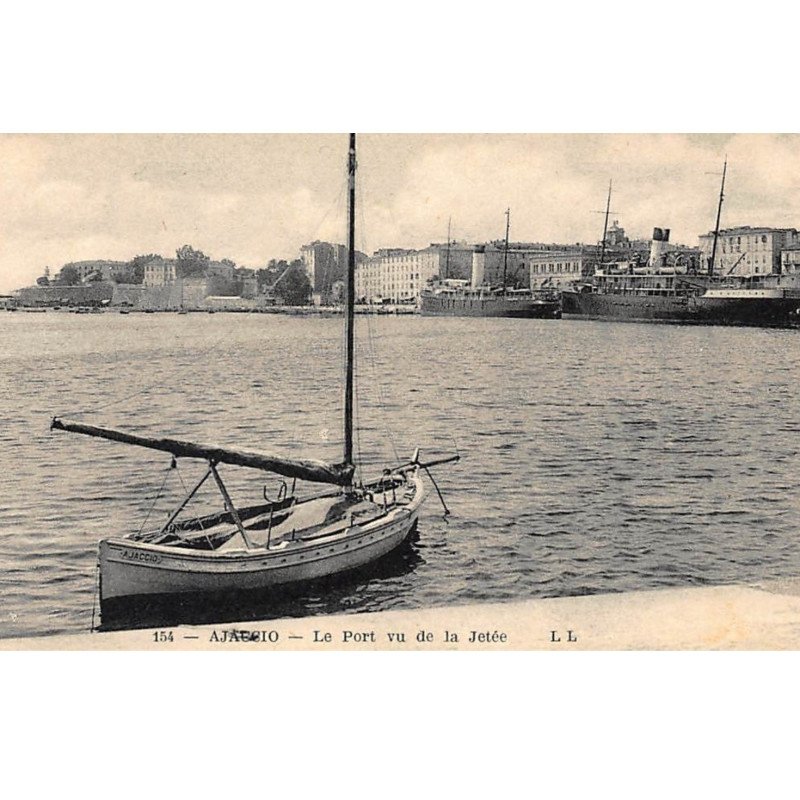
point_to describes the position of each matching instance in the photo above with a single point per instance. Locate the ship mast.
(719, 213)
(350, 295)
(605, 227)
(505, 250)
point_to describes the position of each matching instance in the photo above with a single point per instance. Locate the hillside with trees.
(284, 281)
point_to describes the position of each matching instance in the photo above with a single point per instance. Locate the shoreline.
(309, 311)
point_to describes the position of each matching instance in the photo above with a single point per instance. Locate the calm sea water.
(599, 457)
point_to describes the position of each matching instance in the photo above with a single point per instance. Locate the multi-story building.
(514, 265)
(395, 275)
(97, 269)
(324, 263)
(747, 251)
(160, 272)
(790, 260)
(558, 268)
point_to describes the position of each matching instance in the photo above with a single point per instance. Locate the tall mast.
(505, 250)
(605, 227)
(350, 297)
(719, 213)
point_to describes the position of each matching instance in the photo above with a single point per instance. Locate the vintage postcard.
(400, 392)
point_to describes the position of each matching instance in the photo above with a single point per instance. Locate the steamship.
(476, 298)
(459, 299)
(658, 292)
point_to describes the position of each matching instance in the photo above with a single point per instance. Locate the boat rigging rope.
(186, 491)
(357, 428)
(370, 343)
(381, 399)
(172, 466)
(337, 202)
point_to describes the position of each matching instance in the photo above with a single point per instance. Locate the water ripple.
(599, 458)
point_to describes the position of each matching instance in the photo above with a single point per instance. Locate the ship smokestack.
(478, 266)
(658, 247)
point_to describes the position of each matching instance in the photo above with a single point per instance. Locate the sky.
(250, 198)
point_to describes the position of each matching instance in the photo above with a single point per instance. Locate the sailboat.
(278, 543)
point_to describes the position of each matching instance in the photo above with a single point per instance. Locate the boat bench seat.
(341, 525)
(313, 520)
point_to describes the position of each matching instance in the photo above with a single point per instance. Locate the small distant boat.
(278, 542)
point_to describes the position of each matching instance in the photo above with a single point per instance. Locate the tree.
(68, 276)
(134, 272)
(190, 261)
(266, 277)
(293, 285)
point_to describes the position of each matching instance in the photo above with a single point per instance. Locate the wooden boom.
(302, 469)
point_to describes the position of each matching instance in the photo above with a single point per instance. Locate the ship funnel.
(658, 247)
(478, 266)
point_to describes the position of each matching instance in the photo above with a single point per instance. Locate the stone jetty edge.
(762, 616)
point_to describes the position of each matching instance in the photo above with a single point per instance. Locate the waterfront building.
(516, 264)
(395, 275)
(325, 264)
(560, 268)
(748, 251)
(790, 260)
(97, 269)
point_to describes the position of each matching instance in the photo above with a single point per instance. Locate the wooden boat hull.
(133, 569)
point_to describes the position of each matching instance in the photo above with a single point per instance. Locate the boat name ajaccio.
(135, 555)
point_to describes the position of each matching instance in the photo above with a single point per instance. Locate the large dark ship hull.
(759, 311)
(455, 306)
(626, 307)
(766, 311)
